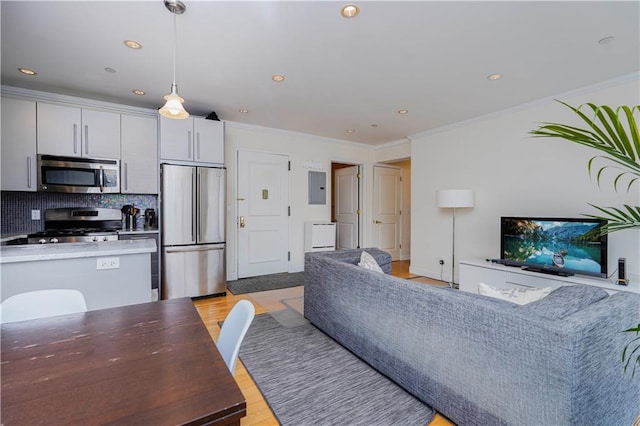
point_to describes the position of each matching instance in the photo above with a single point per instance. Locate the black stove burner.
(76, 232)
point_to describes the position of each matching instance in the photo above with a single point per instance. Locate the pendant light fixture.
(173, 107)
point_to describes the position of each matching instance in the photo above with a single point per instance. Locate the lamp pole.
(452, 284)
(452, 199)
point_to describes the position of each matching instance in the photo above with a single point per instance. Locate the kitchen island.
(109, 273)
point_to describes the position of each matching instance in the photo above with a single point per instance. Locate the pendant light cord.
(175, 48)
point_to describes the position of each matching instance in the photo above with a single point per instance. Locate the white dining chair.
(233, 330)
(41, 304)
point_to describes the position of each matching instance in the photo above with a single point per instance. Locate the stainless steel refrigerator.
(193, 205)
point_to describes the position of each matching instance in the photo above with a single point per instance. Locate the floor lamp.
(454, 199)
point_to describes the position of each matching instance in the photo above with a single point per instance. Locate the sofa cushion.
(521, 296)
(368, 262)
(352, 256)
(565, 301)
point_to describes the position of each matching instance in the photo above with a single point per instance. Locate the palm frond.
(614, 133)
(630, 351)
(617, 219)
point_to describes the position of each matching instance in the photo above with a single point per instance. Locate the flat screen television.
(562, 246)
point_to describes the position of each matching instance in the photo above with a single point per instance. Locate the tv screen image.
(555, 245)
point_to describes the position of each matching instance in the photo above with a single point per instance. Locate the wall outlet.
(108, 263)
(35, 214)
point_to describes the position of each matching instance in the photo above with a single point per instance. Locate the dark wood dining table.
(148, 364)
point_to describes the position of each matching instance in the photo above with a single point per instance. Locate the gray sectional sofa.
(477, 360)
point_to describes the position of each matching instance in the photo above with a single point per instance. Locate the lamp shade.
(173, 107)
(454, 198)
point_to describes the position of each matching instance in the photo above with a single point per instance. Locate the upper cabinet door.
(139, 165)
(76, 132)
(59, 130)
(176, 139)
(209, 140)
(100, 134)
(18, 145)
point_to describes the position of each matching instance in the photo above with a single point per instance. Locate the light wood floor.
(215, 309)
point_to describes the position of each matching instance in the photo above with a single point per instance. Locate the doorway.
(392, 208)
(345, 204)
(263, 218)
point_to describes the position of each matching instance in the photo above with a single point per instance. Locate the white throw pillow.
(521, 296)
(368, 262)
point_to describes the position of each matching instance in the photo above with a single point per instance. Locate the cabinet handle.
(189, 139)
(28, 172)
(75, 138)
(377, 221)
(198, 137)
(86, 139)
(101, 179)
(126, 176)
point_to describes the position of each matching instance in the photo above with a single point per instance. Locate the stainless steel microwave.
(83, 175)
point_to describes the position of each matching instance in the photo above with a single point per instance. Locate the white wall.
(299, 147)
(511, 174)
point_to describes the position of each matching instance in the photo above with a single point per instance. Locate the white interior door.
(386, 209)
(347, 207)
(263, 213)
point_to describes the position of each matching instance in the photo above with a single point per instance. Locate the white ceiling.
(431, 58)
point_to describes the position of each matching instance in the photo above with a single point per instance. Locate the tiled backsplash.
(16, 207)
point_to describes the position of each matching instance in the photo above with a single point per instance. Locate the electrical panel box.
(317, 187)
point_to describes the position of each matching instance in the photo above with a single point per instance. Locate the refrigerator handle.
(190, 249)
(198, 213)
(194, 205)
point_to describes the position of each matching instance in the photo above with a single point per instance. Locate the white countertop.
(36, 252)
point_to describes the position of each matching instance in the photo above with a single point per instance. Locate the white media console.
(473, 272)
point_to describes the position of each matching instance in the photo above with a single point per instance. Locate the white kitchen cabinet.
(77, 132)
(209, 140)
(19, 165)
(139, 161)
(192, 139)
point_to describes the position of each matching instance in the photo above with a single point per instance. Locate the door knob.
(242, 224)
(377, 221)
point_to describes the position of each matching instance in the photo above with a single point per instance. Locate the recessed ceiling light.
(27, 71)
(606, 40)
(278, 78)
(132, 44)
(495, 76)
(243, 111)
(351, 131)
(350, 11)
(110, 70)
(139, 92)
(403, 111)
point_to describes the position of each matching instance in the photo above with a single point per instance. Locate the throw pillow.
(566, 300)
(368, 262)
(521, 296)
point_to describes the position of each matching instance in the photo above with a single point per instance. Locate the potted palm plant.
(613, 132)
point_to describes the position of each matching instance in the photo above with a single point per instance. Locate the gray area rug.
(265, 282)
(309, 379)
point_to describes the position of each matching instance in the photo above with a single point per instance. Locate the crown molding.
(392, 144)
(37, 95)
(275, 131)
(528, 105)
